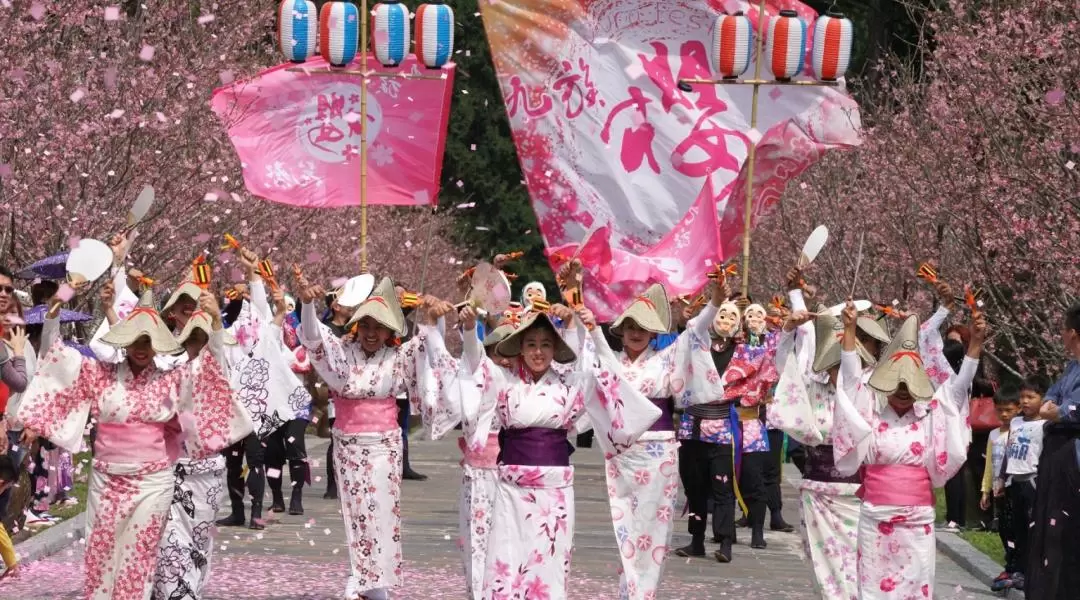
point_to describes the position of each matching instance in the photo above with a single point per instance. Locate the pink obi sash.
(896, 485)
(484, 459)
(365, 416)
(137, 443)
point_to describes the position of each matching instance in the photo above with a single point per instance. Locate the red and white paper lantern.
(434, 34)
(390, 35)
(298, 26)
(339, 32)
(733, 45)
(785, 46)
(832, 46)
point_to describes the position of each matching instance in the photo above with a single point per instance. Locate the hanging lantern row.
(334, 32)
(784, 53)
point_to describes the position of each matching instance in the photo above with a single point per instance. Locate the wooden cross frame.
(686, 86)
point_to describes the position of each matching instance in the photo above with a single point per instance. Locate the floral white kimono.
(531, 538)
(643, 482)
(368, 444)
(902, 458)
(142, 423)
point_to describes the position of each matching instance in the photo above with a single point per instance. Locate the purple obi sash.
(534, 447)
(821, 467)
(666, 422)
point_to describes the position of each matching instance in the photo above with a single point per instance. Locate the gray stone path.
(305, 557)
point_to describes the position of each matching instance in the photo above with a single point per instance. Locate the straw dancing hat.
(829, 332)
(201, 320)
(902, 363)
(383, 306)
(511, 345)
(143, 321)
(651, 311)
(498, 334)
(189, 289)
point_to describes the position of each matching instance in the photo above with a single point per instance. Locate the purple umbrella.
(84, 350)
(54, 267)
(36, 315)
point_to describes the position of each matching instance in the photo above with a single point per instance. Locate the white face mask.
(726, 323)
(755, 320)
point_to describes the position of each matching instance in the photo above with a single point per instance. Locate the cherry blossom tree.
(104, 97)
(970, 161)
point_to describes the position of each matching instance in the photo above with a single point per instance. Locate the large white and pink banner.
(612, 148)
(298, 134)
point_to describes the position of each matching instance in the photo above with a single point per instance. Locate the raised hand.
(311, 293)
(17, 342)
(587, 317)
(945, 294)
(721, 291)
(794, 278)
(562, 312)
(107, 295)
(798, 318)
(467, 316)
(209, 304)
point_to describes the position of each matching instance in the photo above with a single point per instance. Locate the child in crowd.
(1007, 405)
(8, 476)
(1020, 467)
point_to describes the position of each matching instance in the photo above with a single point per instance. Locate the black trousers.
(707, 475)
(752, 485)
(286, 443)
(251, 449)
(956, 496)
(1005, 532)
(331, 478)
(1021, 498)
(771, 473)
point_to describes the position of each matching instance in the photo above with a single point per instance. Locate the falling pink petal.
(116, 114)
(112, 13)
(147, 53)
(77, 95)
(313, 257)
(37, 11)
(110, 77)
(226, 77)
(1055, 97)
(203, 20)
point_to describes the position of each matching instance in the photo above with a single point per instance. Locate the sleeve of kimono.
(325, 350)
(617, 411)
(479, 390)
(438, 385)
(260, 301)
(58, 401)
(472, 353)
(951, 435)
(960, 383)
(7, 549)
(211, 416)
(103, 351)
(931, 348)
(987, 485)
(851, 431)
(792, 409)
(694, 365)
(604, 352)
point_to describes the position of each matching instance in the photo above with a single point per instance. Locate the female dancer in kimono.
(533, 405)
(368, 371)
(143, 417)
(808, 359)
(906, 439)
(643, 482)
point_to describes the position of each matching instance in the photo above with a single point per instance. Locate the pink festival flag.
(298, 134)
(610, 145)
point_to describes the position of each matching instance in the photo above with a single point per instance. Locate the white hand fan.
(813, 245)
(860, 305)
(490, 289)
(142, 206)
(357, 290)
(88, 261)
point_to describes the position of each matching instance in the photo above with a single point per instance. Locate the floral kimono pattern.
(368, 451)
(643, 482)
(129, 498)
(184, 557)
(896, 542)
(531, 538)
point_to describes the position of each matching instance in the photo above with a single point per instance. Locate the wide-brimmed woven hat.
(902, 363)
(829, 333)
(201, 320)
(651, 311)
(382, 305)
(511, 345)
(144, 320)
(498, 334)
(189, 289)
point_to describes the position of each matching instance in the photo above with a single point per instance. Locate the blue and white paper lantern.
(785, 48)
(390, 33)
(434, 34)
(339, 32)
(298, 26)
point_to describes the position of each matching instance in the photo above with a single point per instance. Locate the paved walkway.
(305, 557)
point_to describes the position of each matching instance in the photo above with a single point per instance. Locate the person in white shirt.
(1019, 470)
(1007, 406)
